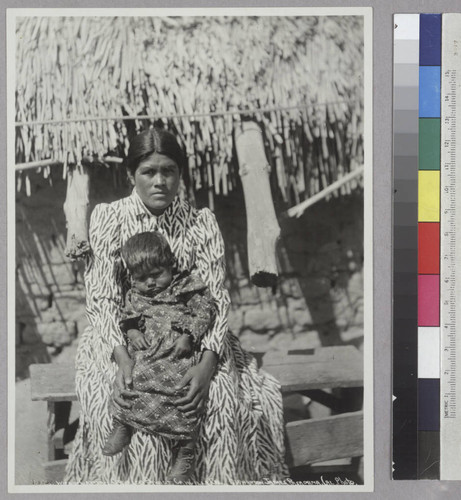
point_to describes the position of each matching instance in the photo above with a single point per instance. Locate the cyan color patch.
(430, 31)
(429, 92)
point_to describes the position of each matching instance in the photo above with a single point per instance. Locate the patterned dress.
(185, 305)
(242, 434)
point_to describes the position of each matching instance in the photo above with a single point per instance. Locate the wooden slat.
(51, 429)
(326, 367)
(52, 382)
(280, 357)
(55, 470)
(58, 439)
(64, 435)
(319, 440)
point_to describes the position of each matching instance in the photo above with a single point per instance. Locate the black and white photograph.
(190, 250)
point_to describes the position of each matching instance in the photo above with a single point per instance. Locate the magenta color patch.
(428, 300)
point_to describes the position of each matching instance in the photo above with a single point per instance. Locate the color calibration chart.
(426, 243)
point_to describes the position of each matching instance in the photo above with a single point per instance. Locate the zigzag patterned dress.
(242, 436)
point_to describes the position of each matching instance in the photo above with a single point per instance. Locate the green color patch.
(429, 144)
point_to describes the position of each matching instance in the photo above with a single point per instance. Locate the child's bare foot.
(117, 440)
(183, 466)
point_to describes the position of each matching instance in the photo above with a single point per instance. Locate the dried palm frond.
(199, 76)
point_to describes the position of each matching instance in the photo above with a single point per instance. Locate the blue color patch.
(429, 92)
(430, 29)
(429, 404)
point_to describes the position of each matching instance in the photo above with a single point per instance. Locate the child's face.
(154, 281)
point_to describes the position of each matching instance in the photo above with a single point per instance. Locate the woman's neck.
(153, 211)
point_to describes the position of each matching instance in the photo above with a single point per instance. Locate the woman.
(241, 437)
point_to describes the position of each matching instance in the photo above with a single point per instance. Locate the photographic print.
(190, 250)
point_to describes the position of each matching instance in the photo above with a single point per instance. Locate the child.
(164, 318)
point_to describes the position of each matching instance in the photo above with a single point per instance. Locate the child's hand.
(137, 339)
(183, 346)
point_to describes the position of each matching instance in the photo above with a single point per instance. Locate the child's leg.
(184, 464)
(188, 443)
(119, 438)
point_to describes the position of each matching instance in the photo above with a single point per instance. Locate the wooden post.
(51, 429)
(262, 225)
(76, 209)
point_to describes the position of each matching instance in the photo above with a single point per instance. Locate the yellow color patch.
(429, 196)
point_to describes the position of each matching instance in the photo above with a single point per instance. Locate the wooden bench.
(308, 372)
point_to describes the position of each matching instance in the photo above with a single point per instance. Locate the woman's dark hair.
(153, 140)
(145, 251)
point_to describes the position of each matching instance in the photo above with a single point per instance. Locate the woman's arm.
(103, 278)
(123, 380)
(198, 378)
(212, 269)
(103, 283)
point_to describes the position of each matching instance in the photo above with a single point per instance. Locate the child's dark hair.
(144, 251)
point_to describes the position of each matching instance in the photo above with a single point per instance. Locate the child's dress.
(185, 306)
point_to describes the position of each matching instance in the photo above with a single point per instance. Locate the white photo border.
(368, 459)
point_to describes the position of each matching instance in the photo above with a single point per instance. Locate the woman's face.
(156, 180)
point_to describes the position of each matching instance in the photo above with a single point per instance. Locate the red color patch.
(429, 248)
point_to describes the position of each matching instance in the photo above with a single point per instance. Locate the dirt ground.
(31, 416)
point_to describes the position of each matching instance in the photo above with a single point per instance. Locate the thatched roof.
(173, 68)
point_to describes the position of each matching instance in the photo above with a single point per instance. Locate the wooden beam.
(51, 428)
(326, 367)
(77, 211)
(299, 209)
(52, 382)
(323, 367)
(263, 230)
(58, 439)
(324, 398)
(319, 440)
(35, 165)
(247, 112)
(51, 162)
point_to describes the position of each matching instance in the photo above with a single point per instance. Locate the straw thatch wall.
(200, 77)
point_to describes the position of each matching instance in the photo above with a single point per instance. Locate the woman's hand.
(198, 378)
(122, 394)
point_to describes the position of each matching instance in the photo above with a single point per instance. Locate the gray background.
(382, 149)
